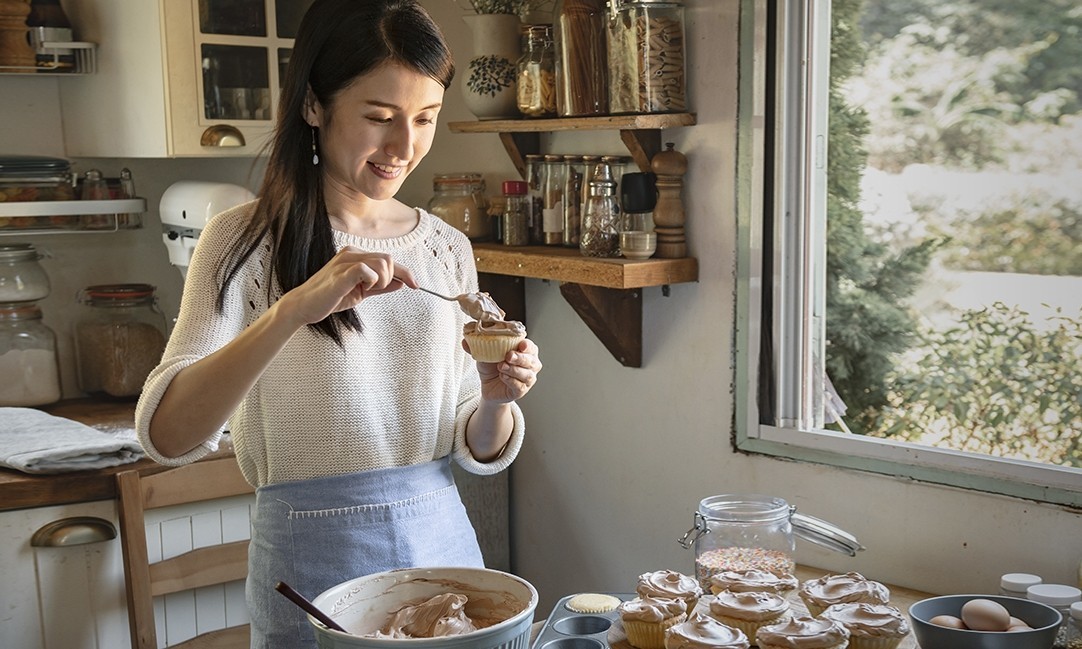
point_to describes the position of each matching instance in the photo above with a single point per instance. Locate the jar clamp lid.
(732, 508)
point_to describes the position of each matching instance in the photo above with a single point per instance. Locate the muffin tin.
(567, 629)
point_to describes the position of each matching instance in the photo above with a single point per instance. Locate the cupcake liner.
(593, 603)
(649, 635)
(874, 642)
(749, 627)
(489, 348)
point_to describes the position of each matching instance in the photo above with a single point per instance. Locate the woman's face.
(376, 131)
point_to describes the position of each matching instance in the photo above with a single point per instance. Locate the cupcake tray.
(566, 629)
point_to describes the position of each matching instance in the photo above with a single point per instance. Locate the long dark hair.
(338, 41)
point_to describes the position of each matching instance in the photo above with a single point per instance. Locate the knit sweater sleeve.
(191, 338)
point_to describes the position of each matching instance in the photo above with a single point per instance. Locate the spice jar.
(22, 279)
(536, 83)
(574, 189)
(516, 207)
(646, 57)
(120, 335)
(1015, 584)
(1073, 636)
(601, 222)
(28, 360)
(1060, 597)
(535, 166)
(581, 61)
(742, 532)
(553, 183)
(459, 199)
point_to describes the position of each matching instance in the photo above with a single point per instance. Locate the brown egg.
(948, 621)
(1017, 622)
(985, 615)
(1020, 627)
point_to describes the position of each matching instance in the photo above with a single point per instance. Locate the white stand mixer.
(185, 209)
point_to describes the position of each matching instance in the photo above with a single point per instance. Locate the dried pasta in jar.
(646, 57)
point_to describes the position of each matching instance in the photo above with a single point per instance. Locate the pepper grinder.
(670, 166)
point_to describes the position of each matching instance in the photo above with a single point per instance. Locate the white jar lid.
(1018, 581)
(1076, 611)
(1054, 594)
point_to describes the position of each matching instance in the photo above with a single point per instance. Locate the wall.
(617, 459)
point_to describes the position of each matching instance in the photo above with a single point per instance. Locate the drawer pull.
(77, 530)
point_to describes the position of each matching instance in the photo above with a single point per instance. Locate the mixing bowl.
(364, 604)
(1044, 619)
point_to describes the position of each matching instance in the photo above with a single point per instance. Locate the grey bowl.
(1044, 619)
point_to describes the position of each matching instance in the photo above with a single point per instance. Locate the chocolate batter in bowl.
(500, 606)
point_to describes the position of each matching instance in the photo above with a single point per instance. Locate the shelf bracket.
(518, 145)
(643, 143)
(614, 315)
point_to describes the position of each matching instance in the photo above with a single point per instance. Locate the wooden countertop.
(22, 490)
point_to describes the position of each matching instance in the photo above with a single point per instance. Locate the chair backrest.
(147, 489)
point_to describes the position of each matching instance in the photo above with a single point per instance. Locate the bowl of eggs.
(983, 622)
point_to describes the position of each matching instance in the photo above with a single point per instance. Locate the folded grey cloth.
(33, 441)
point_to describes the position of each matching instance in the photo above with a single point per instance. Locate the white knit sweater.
(400, 392)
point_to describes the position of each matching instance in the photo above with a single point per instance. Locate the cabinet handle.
(77, 530)
(222, 135)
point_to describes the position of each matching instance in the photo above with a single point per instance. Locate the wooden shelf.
(568, 265)
(641, 134)
(604, 292)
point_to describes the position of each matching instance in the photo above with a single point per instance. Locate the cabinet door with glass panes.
(179, 78)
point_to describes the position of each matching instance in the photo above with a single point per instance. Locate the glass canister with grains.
(646, 57)
(459, 199)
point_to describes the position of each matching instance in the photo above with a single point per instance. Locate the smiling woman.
(346, 430)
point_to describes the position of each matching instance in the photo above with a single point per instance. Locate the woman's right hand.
(347, 279)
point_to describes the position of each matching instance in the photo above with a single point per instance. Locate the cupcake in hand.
(702, 632)
(870, 626)
(489, 336)
(669, 583)
(852, 587)
(646, 619)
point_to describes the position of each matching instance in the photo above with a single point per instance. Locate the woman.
(346, 392)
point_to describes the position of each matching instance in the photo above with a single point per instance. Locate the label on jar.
(552, 218)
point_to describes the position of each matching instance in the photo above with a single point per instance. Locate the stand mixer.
(185, 209)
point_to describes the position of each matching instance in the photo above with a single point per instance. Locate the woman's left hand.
(510, 379)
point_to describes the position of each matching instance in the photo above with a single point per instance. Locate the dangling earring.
(315, 154)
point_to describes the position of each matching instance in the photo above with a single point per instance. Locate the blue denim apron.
(314, 534)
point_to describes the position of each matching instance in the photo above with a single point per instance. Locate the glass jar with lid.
(120, 334)
(601, 222)
(22, 279)
(581, 71)
(459, 199)
(536, 84)
(646, 57)
(751, 531)
(28, 359)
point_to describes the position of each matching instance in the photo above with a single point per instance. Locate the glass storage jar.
(581, 71)
(22, 279)
(28, 360)
(516, 210)
(745, 531)
(536, 84)
(601, 221)
(646, 57)
(120, 335)
(459, 199)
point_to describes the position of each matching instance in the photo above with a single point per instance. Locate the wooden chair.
(145, 490)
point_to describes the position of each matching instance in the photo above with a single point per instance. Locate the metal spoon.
(308, 607)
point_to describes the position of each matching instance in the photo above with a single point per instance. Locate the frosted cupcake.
(748, 611)
(753, 581)
(669, 583)
(870, 626)
(850, 588)
(702, 632)
(489, 336)
(803, 633)
(646, 619)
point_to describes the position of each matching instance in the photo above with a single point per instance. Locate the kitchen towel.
(33, 441)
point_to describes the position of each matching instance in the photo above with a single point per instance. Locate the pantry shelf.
(55, 217)
(605, 293)
(85, 54)
(641, 134)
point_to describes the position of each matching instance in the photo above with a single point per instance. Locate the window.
(813, 237)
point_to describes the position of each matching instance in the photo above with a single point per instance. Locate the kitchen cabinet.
(69, 596)
(605, 293)
(178, 78)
